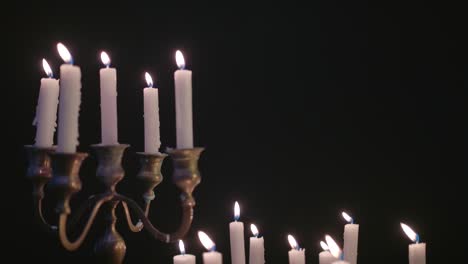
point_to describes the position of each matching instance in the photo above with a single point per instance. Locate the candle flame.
(105, 59)
(206, 241)
(292, 242)
(324, 246)
(348, 218)
(236, 211)
(180, 60)
(182, 247)
(333, 247)
(149, 80)
(47, 68)
(254, 230)
(64, 53)
(410, 233)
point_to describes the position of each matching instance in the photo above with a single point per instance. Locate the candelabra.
(62, 170)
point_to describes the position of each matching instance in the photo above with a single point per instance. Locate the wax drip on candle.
(236, 211)
(347, 217)
(254, 230)
(47, 68)
(64, 53)
(293, 243)
(410, 233)
(206, 241)
(180, 59)
(105, 59)
(181, 247)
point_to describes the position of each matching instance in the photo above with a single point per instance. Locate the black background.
(304, 112)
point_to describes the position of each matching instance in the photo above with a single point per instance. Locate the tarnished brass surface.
(109, 170)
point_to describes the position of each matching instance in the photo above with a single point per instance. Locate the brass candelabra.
(61, 172)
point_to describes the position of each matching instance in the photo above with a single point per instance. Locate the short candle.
(296, 254)
(350, 237)
(183, 258)
(417, 250)
(211, 257)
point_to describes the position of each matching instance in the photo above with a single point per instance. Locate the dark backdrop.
(304, 112)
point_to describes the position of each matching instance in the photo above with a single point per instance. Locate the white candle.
(296, 254)
(350, 237)
(183, 102)
(70, 100)
(335, 251)
(151, 115)
(257, 250)
(325, 257)
(236, 235)
(108, 78)
(416, 251)
(46, 110)
(211, 257)
(183, 258)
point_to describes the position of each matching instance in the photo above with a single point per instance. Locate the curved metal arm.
(69, 245)
(139, 226)
(40, 217)
(187, 217)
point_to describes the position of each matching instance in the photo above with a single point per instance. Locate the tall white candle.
(151, 115)
(325, 257)
(108, 78)
(46, 110)
(183, 258)
(236, 235)
(70, 100)
(416, 251)
(211, 257)
(257, 250)
(296, 254)
(350, 237)
(183, 102)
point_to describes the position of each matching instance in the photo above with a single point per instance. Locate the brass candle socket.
(66, 179)
(110, 247)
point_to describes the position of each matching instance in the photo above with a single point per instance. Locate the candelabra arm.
(69, 245)
(40, 217)
(78, 213)
(139, 225)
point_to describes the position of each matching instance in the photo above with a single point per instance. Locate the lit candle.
(211, 257)
(325, 257)
(108, 77)
(296, 254)
(350, 236)
(236, 235)
(183, 258)
(335, 251)
(183, 102)
(416, 251)
(257, 250)
(46, 110)
(70, 100)
(151, 115)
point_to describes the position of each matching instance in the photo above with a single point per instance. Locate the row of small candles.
(68, 92)
(331, 254)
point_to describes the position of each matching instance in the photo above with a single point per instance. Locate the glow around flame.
(149, 80)
(182, 247)
(105, 59)
(236, 211)
(254, 230)
(324, 246)
(206, 241)
(292, 241)
(333, 247)
(64, 53)
(47, 68)
(180, 60)
(348, 218)
(410, 233)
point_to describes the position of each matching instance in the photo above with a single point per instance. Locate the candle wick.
(213, 248)
(417, 239)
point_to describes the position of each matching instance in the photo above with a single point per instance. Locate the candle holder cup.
(62, 169)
